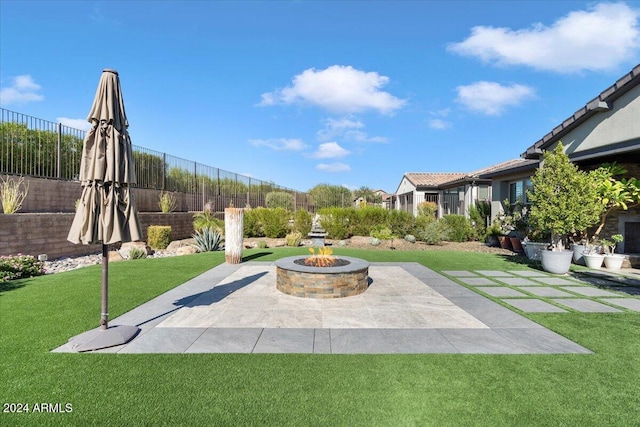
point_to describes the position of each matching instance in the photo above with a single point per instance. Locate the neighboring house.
(453, 193)
(605, 130)
(418, 187)
(381, 199)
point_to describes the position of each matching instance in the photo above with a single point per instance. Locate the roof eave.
(603, 102)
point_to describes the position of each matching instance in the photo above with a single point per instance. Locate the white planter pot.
(556, 262)
(533, 250)
(577, 253)
(614, 261)
(593, 260)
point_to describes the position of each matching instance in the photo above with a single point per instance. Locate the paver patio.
(408, 308)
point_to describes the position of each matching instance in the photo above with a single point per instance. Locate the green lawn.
(39, 314)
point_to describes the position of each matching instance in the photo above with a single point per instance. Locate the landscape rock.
(176, 244)
(114, 256)
(186, 250)
(126, 248)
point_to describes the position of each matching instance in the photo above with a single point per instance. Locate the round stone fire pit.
(348, 277)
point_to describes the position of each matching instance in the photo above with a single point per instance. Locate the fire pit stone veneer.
(322, 282)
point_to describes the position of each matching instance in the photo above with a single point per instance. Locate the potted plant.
(592, 256)
(534, 243)
(612, 260)
(564, 200)
(513, 224)
(492, 234)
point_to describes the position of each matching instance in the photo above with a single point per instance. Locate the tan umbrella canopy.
(106, 213)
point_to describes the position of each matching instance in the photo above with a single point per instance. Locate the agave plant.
(207, 240)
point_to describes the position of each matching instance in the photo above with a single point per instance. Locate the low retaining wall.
(46, 233)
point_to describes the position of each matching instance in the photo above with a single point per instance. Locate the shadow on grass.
(11, 285)
(256, 255)
(522, 260)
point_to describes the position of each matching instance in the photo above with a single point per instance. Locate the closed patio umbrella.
(106, 213)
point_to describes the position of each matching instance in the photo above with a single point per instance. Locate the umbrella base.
(97, 339)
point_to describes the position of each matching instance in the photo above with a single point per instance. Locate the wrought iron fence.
(40, 148)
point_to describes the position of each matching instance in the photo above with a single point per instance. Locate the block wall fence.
(46, 233)
(42, 224)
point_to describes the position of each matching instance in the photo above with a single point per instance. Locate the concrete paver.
(628, 303)
(586, 306)
(534, 306)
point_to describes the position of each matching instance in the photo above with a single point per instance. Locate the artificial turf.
(39, 314)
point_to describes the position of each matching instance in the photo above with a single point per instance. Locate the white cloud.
(333, 127)
(439, 124)
(492, 98)
(280, 144)
(22, 90)
(330, 150)
(598, 39)
(347, 129)
(81, 124)
(359, 136)
(333, 167)
(337, 88)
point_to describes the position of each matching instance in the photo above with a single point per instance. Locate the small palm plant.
(207, 239)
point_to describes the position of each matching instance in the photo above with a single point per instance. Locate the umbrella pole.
(104, 318)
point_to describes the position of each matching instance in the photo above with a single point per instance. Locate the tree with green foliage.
(368, 195)
(327, 195)
(564, 199)
(613, 193)
(280, 199)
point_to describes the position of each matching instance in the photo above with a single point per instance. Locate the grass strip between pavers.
(39, 314)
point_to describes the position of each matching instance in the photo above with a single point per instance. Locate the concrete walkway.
(407, 309)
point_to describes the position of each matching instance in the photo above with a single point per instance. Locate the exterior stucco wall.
(617, 125)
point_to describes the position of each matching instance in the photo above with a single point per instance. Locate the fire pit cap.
(355, 264)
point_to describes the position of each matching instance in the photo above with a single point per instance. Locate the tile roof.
(497, 167)
(432, 179)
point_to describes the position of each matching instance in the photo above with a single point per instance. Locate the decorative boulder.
(126, 248)
(186, 250)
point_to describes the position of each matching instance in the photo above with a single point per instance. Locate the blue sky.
(301, 93)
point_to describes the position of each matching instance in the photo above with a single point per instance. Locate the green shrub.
(262, 244)
(251, 223)
(137, 253)
(460, 228)
(207, 240)
(366, 218)
(381, 232)
(19, 266)
(302, 222)
(207, 219)
(159, 236)
(337, 222)
(435, 232)
(293, 239)
(478, 214)
(274, 222)
(428, 210)
(280, 199)
(402, 223)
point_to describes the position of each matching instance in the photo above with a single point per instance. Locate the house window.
(518, 191)
(483, 192)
